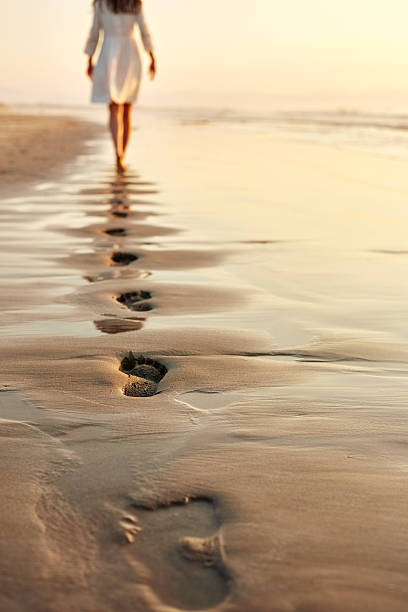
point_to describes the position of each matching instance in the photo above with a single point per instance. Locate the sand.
(33, 147)
(174, 434)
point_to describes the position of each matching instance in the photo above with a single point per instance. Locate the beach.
(204, 368)
(34, 146)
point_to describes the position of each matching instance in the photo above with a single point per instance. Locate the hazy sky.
(220, 52)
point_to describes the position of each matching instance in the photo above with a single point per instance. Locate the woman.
(117, 74)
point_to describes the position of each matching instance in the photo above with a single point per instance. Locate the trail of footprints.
(190, 526)
(144, 374)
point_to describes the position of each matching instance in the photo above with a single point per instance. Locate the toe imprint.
(136, 300)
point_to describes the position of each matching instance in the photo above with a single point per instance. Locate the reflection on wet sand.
(121, 190)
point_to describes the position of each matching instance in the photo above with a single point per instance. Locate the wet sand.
(185, 424)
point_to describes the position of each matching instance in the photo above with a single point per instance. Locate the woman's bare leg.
(116, 130)
(114, 127)
(127, 126)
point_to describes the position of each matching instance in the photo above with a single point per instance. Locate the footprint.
(144, 375)
(119, 201)
(180, 541)
(116, 231)
(136, 300)
(120, 258)
(119, 326)
(119, 213)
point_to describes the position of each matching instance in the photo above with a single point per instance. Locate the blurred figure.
(117, 74)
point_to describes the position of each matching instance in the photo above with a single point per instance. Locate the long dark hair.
(123, 6)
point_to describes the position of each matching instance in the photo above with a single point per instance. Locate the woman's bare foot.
(120, 165)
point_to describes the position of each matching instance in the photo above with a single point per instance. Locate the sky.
(221, 53)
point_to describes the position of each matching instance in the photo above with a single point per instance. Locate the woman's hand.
(152, 67)
(90, 68)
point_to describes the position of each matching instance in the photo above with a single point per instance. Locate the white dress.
(117, 74)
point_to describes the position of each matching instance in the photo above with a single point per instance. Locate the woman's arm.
(93, 39)
(147, 42)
